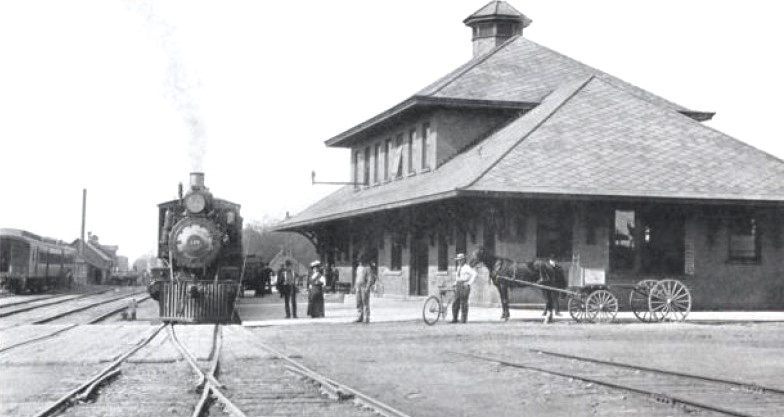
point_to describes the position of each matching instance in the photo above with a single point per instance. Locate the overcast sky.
(126, 98)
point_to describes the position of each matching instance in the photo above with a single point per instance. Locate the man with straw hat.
(465, 276)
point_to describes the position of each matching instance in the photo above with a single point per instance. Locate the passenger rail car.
(32, 263)
(200, 239)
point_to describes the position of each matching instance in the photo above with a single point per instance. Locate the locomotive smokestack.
(197, 180)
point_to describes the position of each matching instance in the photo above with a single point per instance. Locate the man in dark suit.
(289, 286)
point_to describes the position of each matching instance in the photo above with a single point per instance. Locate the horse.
(536, 271)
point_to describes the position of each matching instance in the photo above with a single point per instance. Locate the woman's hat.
(459, 257)
(315, 263)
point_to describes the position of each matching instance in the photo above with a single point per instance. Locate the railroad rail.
(88, 386)
(86, 307)
(44, 316)
(293, 384)
(725, 397)
(91, 320)
(25, 299)
(333, 388)
(46, 302)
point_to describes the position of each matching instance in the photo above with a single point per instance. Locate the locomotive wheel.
(670, 299)
(577, 309)
(432, 310)
(638, 300)
(601, 306)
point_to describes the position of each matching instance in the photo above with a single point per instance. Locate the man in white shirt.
(366, 278)
(465, 276)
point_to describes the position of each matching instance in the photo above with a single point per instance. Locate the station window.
(443, 253)
(744, 245)
(396, 259)
(622, 243)
(461, 241)
(554, 233)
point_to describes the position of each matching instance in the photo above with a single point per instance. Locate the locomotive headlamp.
(195, 203)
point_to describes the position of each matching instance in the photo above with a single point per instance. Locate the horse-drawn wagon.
(589, 296)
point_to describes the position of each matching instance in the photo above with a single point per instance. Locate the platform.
(269, 311)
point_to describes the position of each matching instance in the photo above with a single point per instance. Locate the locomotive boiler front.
(195, 242)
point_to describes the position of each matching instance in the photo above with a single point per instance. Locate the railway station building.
(531, 154)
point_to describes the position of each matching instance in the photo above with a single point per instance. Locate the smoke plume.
(183, 86)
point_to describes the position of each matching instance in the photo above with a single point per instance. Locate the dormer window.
(355, 163)
(410, 153)
(397, 161)
(426, 146)
(366, 178)
(387, 155)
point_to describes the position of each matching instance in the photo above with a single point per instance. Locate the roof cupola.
(493, 24)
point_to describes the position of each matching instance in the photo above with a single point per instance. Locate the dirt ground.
(418, 369)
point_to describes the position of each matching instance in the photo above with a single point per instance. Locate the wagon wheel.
(638, 300)
(432, 310)
(670, 299)
(601, 306)
(577, 308)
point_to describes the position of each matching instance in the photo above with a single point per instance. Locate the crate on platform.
(582, 277)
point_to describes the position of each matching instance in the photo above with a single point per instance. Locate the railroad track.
(157, 383)
(278, 384)
(672, 388)
(15, 300)
(92, 318)
(95, 313)
(54, 312)
(88, 387)
(40, 302)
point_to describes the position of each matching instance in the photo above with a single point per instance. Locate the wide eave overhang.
(575, 195)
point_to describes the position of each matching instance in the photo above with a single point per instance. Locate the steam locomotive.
(200, 240)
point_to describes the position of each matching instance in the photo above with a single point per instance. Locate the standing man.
(365, 280)
(289, 288)
(464, 279)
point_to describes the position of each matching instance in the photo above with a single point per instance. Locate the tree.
(258, 239)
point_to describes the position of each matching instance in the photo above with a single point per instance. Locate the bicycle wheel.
(431, 310)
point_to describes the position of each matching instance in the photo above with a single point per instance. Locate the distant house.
(530, 153)
(95, 264)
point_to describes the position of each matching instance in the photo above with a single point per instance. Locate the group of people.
(288, 289)
(366, 276)
(316, 285)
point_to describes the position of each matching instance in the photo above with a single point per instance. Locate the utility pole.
(84, 216)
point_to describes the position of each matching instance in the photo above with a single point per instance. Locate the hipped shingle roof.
(588, 137)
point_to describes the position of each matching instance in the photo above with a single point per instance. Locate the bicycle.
(437, 306)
